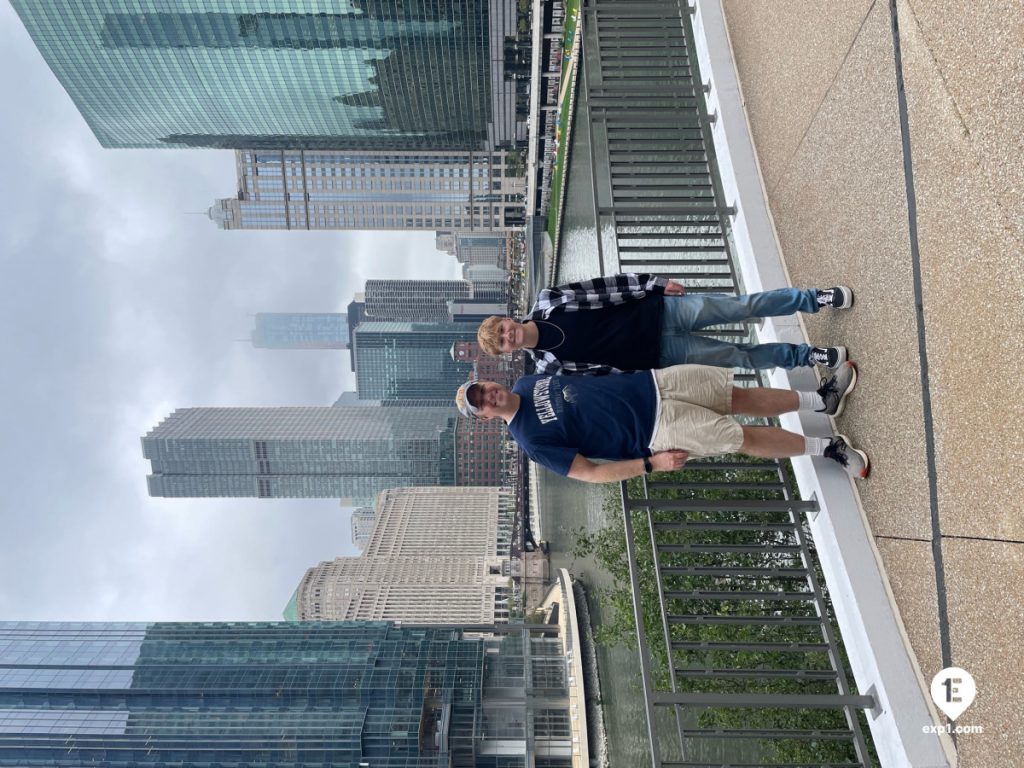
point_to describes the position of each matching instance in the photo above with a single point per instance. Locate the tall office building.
(299, 452)
(486, 273)
(481, 456)
(352, 74)
(463, 522)
(363, 521)
(300, 330)
(355, 312)
(280, 694)
(475, 310)
(352, 399)
(435, 555)
(480, 249)
(432, 589)
(425, 300)
(445, 241)
(320, 189)
(404, 361)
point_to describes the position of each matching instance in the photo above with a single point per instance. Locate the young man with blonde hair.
(635, 322)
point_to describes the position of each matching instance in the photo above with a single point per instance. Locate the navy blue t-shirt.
(626, 336)
(600, 417)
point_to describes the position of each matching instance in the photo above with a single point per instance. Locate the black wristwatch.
(648, 467)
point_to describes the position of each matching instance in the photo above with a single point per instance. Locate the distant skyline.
(118, 307)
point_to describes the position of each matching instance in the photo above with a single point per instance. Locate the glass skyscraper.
(344, 694)
(300, 330)
(425, 300)
(259, 74)
(300, 452)
(402, 361)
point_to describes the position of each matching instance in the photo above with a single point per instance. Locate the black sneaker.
(829, 357)
(835, 390)
(839, 297)
(854, 461)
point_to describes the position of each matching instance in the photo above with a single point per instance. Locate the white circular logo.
(953, 691)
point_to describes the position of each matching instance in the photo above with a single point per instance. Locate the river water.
(567, 505)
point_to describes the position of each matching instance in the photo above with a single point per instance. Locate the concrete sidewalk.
(946, 497)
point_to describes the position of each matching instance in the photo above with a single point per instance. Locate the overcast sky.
(117, 307)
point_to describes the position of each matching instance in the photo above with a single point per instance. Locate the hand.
(674, 289)
(666, 461)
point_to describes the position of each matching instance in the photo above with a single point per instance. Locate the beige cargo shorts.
(693, 414)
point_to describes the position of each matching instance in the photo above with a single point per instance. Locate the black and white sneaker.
(835, 390)
(838, 297)
(853, 460)
(829, 357)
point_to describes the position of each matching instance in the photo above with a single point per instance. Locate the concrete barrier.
(873, 633)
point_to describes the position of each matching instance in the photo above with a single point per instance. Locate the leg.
(693, 312)
(764, 401)
(685, 347)
(772, 442)
(776, 443)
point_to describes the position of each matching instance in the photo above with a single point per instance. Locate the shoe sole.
(853, 385)
(864, 457)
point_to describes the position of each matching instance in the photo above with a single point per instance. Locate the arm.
(601, 291)
(589, 472)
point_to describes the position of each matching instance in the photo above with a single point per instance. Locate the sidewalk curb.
(874, 635)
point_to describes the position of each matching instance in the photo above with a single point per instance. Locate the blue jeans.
(694, 312)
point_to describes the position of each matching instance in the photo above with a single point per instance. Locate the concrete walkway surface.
(935, 252)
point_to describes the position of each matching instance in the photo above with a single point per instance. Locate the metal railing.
(732, 623)
(740, 663)
(658, 203)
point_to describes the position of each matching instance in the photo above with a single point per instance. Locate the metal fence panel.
(720, 561)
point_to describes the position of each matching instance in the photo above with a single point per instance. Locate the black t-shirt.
(599, 417)
(626, 336)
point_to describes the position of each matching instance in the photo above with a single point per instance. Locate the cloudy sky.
(118, 306)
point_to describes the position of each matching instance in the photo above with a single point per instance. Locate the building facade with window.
(434, 555)
(282, 694)
(300, 330)
(300, 452)
(363, 521)
(426, 300)
(274, 74)
(392, 190)
(405, 361)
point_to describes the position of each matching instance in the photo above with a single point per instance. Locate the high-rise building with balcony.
(261, 74)
(405, 361)
(321, 189)
(300, 452)
(300, 330)
(434, 555)
(125, 695)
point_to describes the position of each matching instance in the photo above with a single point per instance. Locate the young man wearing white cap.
(655, 420)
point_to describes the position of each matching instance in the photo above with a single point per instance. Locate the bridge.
(742, 145)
